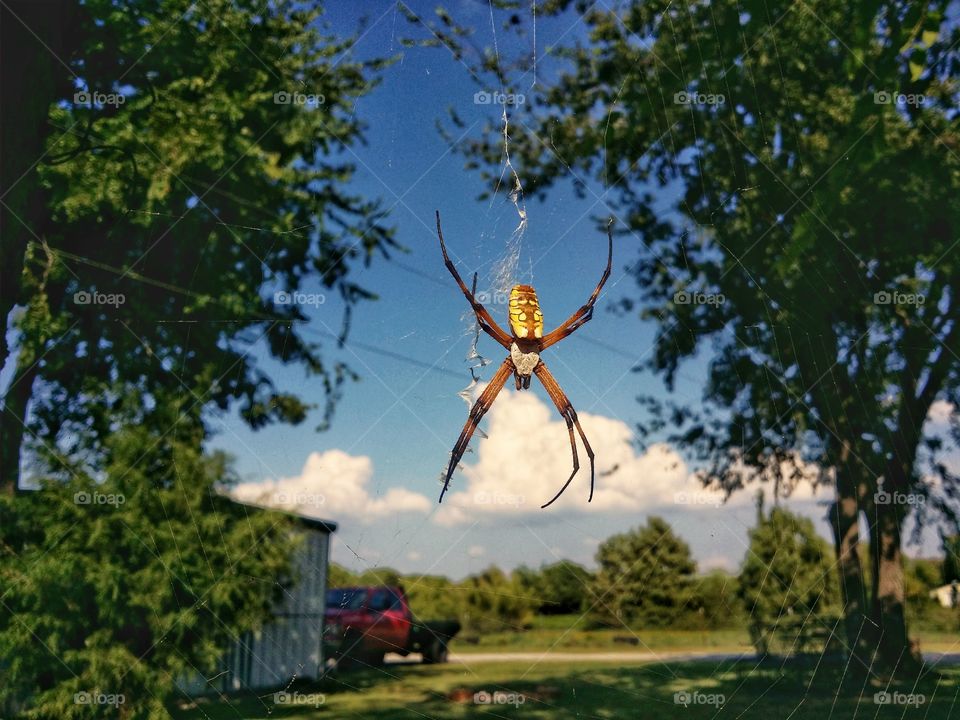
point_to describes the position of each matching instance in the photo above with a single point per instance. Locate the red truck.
(361, 624)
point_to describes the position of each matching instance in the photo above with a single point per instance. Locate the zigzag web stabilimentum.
(504, 272)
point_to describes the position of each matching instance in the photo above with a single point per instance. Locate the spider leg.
(570, 415)
(583, 315)
(484, 318)
(478, 410)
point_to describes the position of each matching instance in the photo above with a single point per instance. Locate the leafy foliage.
(561, 588)
(951, 560)
(434, 597)
(643, 576)
(713, 602)
(339, 576)
(787, 578)
(206, 194)
(493, 601)
(121, 587)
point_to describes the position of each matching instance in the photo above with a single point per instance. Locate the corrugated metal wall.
(288, 647)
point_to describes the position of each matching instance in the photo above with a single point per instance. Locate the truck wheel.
(374, 658)
(435, 652)
(356, 657)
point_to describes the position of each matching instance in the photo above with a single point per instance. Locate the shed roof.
(327, 526)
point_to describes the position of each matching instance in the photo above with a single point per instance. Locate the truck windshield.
(346, 599)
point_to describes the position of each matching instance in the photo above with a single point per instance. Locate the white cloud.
(476, 551)
(940, 412)
(526, 459)
(717, 562)
(332, 484)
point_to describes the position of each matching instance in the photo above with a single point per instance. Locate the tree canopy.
(643, 576)
(189, 202)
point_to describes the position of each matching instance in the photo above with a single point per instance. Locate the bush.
(643, 577)
(787, 578)
(713, 603)
(124, 586)
(492, 602)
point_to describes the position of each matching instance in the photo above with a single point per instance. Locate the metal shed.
(291, 645)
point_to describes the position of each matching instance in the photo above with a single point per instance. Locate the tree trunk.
(888, 601)
(12, 425)
(888, 598)
(34, 38)
(844, 517)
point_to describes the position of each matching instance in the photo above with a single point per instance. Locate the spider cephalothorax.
(525, 344)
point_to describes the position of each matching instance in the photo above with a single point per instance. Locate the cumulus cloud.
(940, 412)
(332, 484)
(525, 459)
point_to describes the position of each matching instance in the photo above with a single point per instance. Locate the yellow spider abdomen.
(526, 320)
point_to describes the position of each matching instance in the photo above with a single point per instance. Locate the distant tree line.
(646, 578)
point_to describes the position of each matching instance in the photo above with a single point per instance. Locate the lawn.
(595, 690)
(571, 632)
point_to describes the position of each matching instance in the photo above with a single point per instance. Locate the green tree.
(951, 559)
(564, 588)
(379, 576)
(643, 576)
(339, 576)
(493, 602)
(187, 206)
(812, 184)
(560, 588)
(433, 597)
(787, 581)
(714, 602)
(195, 200)
(124, 584)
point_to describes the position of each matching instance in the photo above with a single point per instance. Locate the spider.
(525, 345)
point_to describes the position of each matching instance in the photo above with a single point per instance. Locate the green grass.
(607, 640)
(596, 690)
(571, 632)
